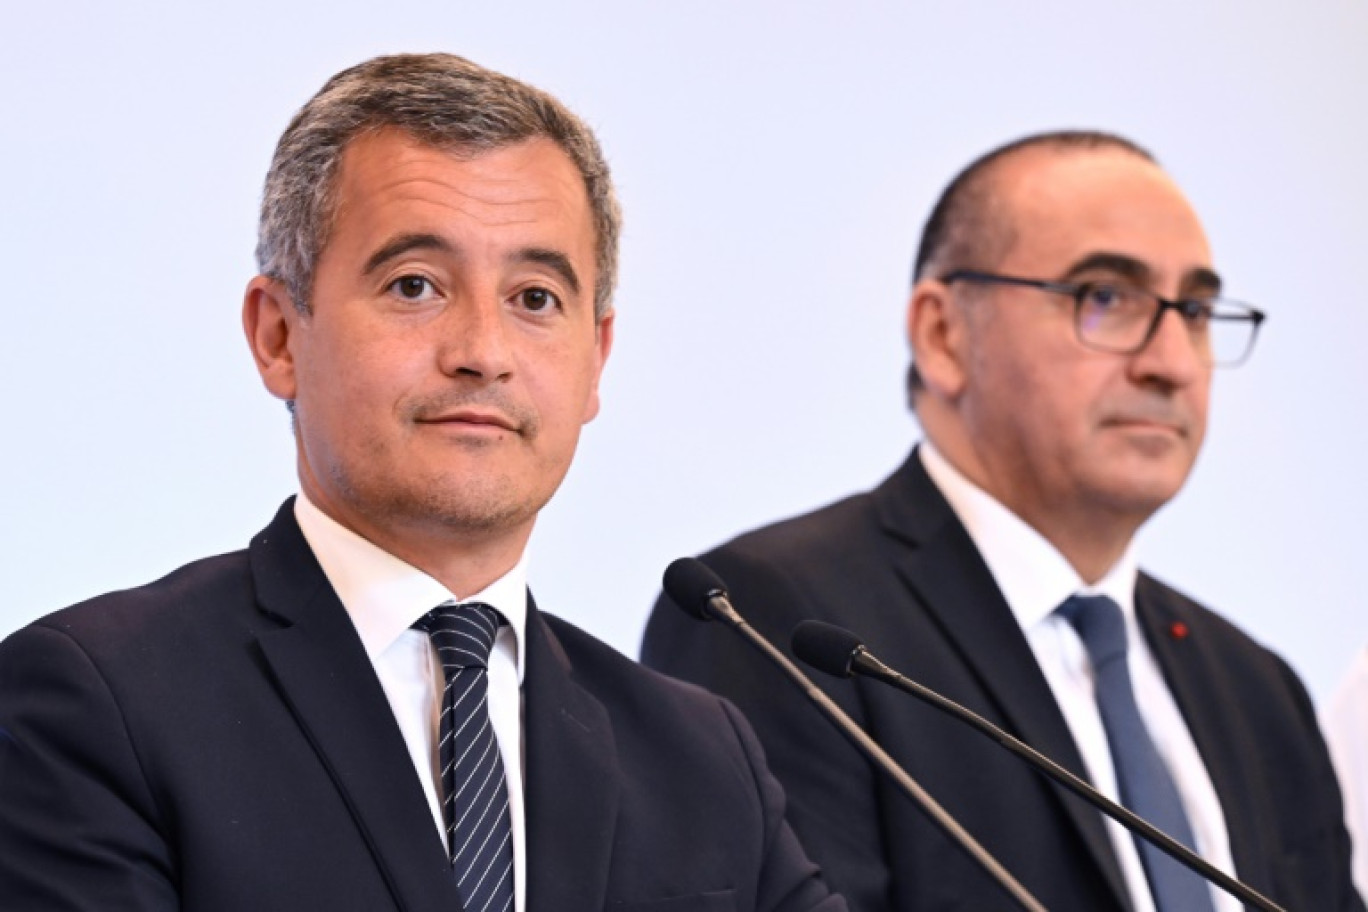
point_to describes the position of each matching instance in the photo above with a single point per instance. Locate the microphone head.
(826, 647)
(692, 585)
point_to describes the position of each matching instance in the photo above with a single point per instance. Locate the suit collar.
(572, 780)
(940, 563)
(323, 674)
(384, 595)
(1034, 576)
(1193, 672)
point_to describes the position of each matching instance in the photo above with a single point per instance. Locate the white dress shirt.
(1035, 579)
(1345, 721)
(384, 597)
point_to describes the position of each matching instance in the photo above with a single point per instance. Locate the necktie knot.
(1100, 625)
(462, 634)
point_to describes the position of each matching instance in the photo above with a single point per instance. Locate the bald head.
(1082, 442)
(971, 225)
(968, 224)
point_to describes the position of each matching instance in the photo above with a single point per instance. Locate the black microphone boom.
(696, 589)
(839, 652)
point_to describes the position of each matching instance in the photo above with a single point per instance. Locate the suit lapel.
(324, 674)
(938, 561)
(1193, 673)
(572, 780)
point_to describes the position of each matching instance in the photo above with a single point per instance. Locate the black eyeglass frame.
(1187, 310)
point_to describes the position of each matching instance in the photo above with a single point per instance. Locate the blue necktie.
(1146, 786)
(475, 795)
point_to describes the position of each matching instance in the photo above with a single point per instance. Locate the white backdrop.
(775, 161)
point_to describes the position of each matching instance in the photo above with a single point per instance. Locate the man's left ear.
(603, 344)
(269, 319)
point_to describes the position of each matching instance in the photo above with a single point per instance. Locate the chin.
(1143, 496)
(469, 513)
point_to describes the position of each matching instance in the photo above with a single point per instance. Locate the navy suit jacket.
(218, 740)
(898, 568)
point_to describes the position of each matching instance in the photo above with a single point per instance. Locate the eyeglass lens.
(1121, 319)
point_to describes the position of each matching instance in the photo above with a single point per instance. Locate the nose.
(475, 340)
(1171, 357)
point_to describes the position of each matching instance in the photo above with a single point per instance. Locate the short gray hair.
(440, 100)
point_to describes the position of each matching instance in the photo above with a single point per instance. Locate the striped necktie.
(1144, 780)
(475, 795)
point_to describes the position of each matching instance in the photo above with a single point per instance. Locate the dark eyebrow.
(552, 259)
(403, 244)
(1202, 279)
(1127, 267)
(1199, 279)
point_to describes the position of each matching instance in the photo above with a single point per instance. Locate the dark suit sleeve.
(788, 881)
(826, 780)
(1322, 861)
(1256, 729)
(79, 828)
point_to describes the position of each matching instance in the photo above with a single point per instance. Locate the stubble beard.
(472, 505)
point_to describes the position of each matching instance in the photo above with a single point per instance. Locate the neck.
(1090, 537)
(1091, 555)
(462, 565)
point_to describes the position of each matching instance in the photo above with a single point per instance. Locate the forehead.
(1066, 205)
(389, 181)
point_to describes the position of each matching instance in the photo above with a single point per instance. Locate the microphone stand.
(699, 592)
(864, 662)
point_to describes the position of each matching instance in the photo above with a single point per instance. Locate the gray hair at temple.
(967, 228)
(440, 100)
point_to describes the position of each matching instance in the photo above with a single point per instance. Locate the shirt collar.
(384, 595)
(1033, 576)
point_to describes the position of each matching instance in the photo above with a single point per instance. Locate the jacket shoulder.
(820, 531)
(620, 682)
(1165, 605)
(134, 620)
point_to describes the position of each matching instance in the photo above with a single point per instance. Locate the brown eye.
(1100, 297)
(537, 299)
(411, 288)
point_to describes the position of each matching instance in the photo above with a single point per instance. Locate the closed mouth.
(471, 417)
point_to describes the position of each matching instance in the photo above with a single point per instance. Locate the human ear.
(270, 320)
(936, 331)
(603, 344)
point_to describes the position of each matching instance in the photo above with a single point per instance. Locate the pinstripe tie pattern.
(475, 795)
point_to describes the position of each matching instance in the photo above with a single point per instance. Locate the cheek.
(1059, 405)
(591, 406)
(1200, 401)
(569, 401)
(562, 380)
(353, 378)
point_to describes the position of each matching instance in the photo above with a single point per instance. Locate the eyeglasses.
(1121, 318)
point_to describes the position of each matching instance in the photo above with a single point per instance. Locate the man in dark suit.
(1064, 322)
(364, 709)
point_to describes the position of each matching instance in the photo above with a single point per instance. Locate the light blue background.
(775, 162)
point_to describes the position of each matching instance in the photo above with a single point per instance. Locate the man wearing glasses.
(1065, 323)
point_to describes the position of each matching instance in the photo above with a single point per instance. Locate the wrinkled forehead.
(1065, 207)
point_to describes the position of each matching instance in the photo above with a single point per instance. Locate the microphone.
(839, 652)
(696, 589)
(701, 593)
